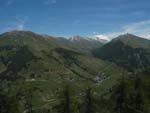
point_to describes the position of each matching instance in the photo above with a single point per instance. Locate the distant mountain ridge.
(133, 40)
(21, 50)
(82, 39)
(84, 46)
(45, 73)
(127, 50)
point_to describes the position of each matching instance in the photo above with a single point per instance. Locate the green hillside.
(35, 69)
(131, 94)
(128, 51)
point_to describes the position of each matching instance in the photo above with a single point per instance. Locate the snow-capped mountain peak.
(99, 38)
(102, 38)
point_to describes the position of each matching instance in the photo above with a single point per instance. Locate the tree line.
(121, 101)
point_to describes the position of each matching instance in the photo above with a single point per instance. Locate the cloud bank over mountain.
(141, 29)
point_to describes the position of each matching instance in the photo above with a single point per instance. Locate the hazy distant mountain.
(86, 44)
(83, 39)
(102, 38)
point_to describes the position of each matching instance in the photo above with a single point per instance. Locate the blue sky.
(76, 17)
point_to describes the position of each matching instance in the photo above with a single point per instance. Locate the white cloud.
(16, 26)
(141, 29)
(20, 22)
(20, 26)
(112, 35)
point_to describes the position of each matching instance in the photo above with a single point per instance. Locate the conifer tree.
(121, 98)
(89, 101)
(8, 104)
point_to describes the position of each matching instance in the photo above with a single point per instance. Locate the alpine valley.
(46, 74)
